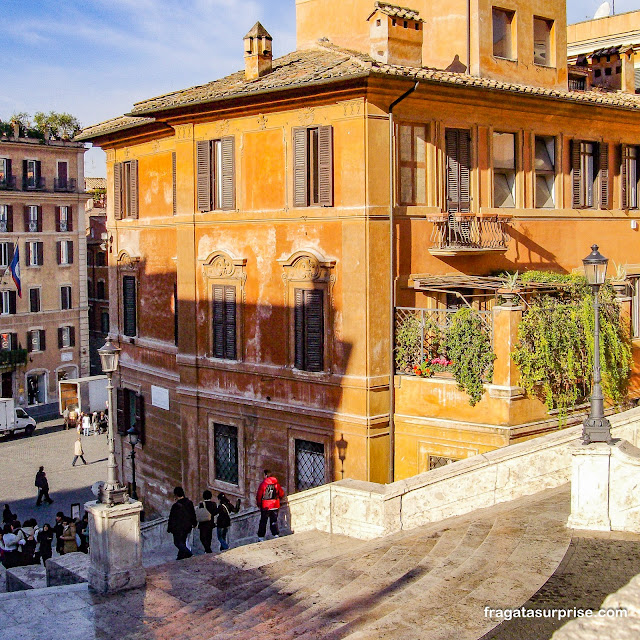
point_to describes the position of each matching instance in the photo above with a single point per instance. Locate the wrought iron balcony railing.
(458, 234)
(8, 182)
(34, 184)
(64, 184)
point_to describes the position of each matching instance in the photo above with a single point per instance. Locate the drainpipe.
(468, 36)
(392, 287)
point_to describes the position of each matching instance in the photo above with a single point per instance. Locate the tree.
(60, 125)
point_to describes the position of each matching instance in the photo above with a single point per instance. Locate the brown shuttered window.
(629, 173)
(309, 329)
(139, 418)
(313, 166)
(121, 405)
(34, 300)
(590, 174)
(125, 189)
(129, 301)
(458, 170)
(603, 174)
(6, 219)
(174, 183)
(224, 322)
(216, 174)
(117, 190)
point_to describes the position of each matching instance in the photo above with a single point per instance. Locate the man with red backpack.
(268, 501)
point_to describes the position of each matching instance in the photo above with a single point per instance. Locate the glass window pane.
(504, 151)
(406, 185)
(406, 154)
(420, 143)
(503, 190)
(541, 41)
(545, 154)
(544, 192)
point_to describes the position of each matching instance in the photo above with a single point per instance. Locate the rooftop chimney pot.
(258, 54)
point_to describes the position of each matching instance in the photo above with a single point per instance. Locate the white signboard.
(160, 397)
(66, 357)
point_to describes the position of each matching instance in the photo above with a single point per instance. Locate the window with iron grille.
(225, 444)
(310, 464)
(435, 462)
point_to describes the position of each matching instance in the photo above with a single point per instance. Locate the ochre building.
(251, 256)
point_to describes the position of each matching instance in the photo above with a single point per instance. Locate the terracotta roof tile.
(95, 183)
(397, 12)
(109, 126)
(258, 31)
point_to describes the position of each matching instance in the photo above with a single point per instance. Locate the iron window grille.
(310, 465)
(435, 462)
(226, 453)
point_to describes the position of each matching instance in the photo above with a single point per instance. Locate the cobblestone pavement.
(595, 566)
(52, 447)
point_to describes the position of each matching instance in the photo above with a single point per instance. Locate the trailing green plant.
(555, 347)
(469, 348)
(408, 343)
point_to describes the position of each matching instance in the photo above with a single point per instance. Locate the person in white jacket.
(78, 452)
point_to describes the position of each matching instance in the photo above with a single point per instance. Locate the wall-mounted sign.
(66, 357)
(160, 397)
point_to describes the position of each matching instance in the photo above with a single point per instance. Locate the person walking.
(7, 515)
(182, 519)
(205, 514)
(43, 487)
(68, 537)
(225, 509)
(268, 501)
(58, 528)
(65, 416)
(78, 452)
(45, 542)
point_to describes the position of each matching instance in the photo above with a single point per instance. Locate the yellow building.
(251, 216)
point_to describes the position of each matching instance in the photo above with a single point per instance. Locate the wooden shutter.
(38, 172)
(117, 190)
(39, 218)
(60, 337)
(603, 156)
(25, 170)
(325, 166)
(133, 189)
(174, 182)
(218, 321)
(140, 425)
(624, 178)
(576, 177)
(58, 219)
(72, 336)
(300, 169)
(453, 170)
(203, 171)
(9, 218)
(464, 156)
(299, 329)
(121, 423)
(43, 340)
(230, 323)
(129, 303)
(29, 341)
(12, 302)
(26, 218)
(13, 341)
(228, 174)
(59, 251)
(10, 252)
(27, 253)
(33, 300)
(70, 251)
(314, 330)
(39, 253)
(69, 218)
(9, 172)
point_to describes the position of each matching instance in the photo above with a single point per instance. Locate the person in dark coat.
(58, 529)
(225, 509)
(182, 519)
(206, 527)
(7, 515)
(43, 487)
(45, 540)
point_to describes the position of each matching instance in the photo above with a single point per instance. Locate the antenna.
(603, 10)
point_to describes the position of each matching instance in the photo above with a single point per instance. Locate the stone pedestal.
(590, 487)
(115, 547)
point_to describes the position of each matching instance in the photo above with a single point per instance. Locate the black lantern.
(595, 267)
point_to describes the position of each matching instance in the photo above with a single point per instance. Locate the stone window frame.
(222, 268)
(127, 265)
(298, 434)
(215, 485)
(307, 269)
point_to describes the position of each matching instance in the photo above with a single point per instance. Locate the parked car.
(14, 419)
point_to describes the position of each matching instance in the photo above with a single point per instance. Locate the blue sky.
(94, 58)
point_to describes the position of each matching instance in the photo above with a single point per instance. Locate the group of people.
(28, 543)
(184, 517)
(94, 422)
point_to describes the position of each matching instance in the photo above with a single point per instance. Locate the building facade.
(42, 204)
(251, 270)
(97, 269)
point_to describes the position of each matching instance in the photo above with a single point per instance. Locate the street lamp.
(111, 492)
(133, 441)
(596, 427)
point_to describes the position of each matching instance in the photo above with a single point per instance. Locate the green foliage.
(469, 348)
(555, 346)
(408, 343)
(60, 125)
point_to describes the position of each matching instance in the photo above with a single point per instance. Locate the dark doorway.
(7, 385)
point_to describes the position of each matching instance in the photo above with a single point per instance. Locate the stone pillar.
(590, 487)
(116, 547)
(506, 376)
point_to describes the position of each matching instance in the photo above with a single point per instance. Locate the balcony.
(64, 185)
(8, 183)
(10, 359)
(34, 184)
(467, 234)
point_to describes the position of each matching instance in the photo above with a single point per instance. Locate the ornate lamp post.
(111, 492)
(133, 441)
(596, 427)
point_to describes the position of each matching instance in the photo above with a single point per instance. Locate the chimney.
(258, 55)
(16, 128)
(396, 35)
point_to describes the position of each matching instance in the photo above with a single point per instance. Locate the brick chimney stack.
(258, 54)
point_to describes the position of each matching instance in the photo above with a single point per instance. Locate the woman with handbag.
(205, 514)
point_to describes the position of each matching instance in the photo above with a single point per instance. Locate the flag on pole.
(15, 270)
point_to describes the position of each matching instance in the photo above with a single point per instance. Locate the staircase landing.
(432, 582)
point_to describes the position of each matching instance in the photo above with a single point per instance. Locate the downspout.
(468, 36)
(392, 287)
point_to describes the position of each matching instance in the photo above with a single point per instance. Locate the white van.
(14, 419)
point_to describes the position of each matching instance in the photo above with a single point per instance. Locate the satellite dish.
(602, 11)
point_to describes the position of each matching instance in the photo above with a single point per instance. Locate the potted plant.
(510, 289)
(619, 280)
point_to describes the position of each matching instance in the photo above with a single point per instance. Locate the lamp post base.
(113, 495)
(596, 430)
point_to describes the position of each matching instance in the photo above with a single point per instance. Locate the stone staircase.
(429, 582)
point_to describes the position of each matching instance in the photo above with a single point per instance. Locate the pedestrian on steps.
(43, 487)
(78, 452)
(225, 509)
(182, 520)
(205, 514)
(268, 501)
